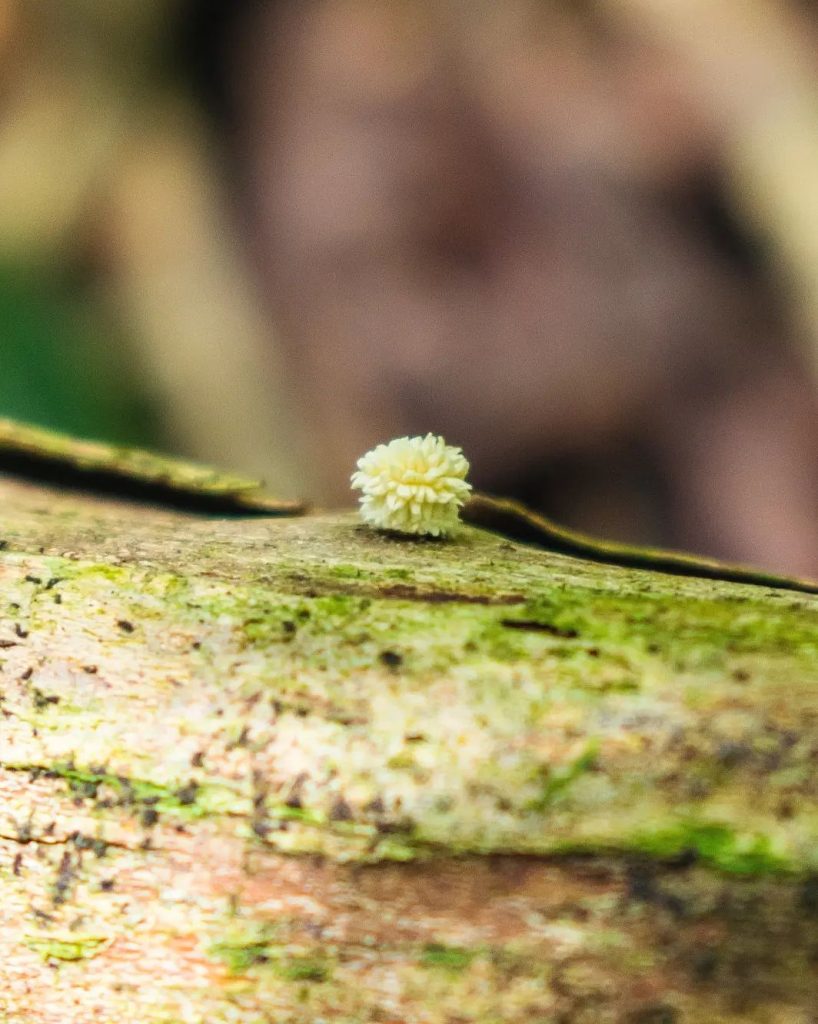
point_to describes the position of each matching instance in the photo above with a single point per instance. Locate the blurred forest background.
(577, 237)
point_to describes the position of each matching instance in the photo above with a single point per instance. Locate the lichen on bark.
(293, 770)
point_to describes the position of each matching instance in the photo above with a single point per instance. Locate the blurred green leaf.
(58, 369)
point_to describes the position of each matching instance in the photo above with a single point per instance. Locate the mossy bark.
(288, 770)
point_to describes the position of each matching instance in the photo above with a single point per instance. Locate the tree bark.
(289, 770)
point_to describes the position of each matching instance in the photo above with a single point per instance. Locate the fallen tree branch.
(290, 770)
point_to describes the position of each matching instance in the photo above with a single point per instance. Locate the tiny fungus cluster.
(413, 485)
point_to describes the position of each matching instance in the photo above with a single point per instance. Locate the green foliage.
(62, 366)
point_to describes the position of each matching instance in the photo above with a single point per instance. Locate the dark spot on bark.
(684, 860)
(198, 759)
(19, 631)
(125, 626)
(43, 700)
(741, 675)
(731, 754)
(785, 810)
(90, 669)
(533, 626)
(261, 827)
(50, 584)
(58, 599)
(127, 797)
(406, 592)
(659, 1013)
(29, 672)
(149, 817)
(18, 863)
(65, 876)
(808, 898)
(289, 627)
(187, 794)
(241, 740)
(675, 904)
(341, 811)
(704, 965)
(33, 579)
(5, 644)
(391, 659)
(107, 884)
(401, 826)
(641, 882)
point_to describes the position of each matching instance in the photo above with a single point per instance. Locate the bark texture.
(288, 770)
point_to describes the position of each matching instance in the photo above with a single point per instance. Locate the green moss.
(715, 845)
(239, 958)
(346, 572)
(588, 701)
(698, 632)
(71, 949)
(66, 570)
(265, 623)
(400, 850)
(305, 815)
(188, 800)
(557, 779)
(252, 945)
(397, 574)
(303, 968)
(702, 630)
(448, 958)
(245, 944)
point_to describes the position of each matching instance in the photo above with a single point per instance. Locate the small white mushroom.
(413, 485)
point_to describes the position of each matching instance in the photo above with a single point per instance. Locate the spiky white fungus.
(413, 485)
